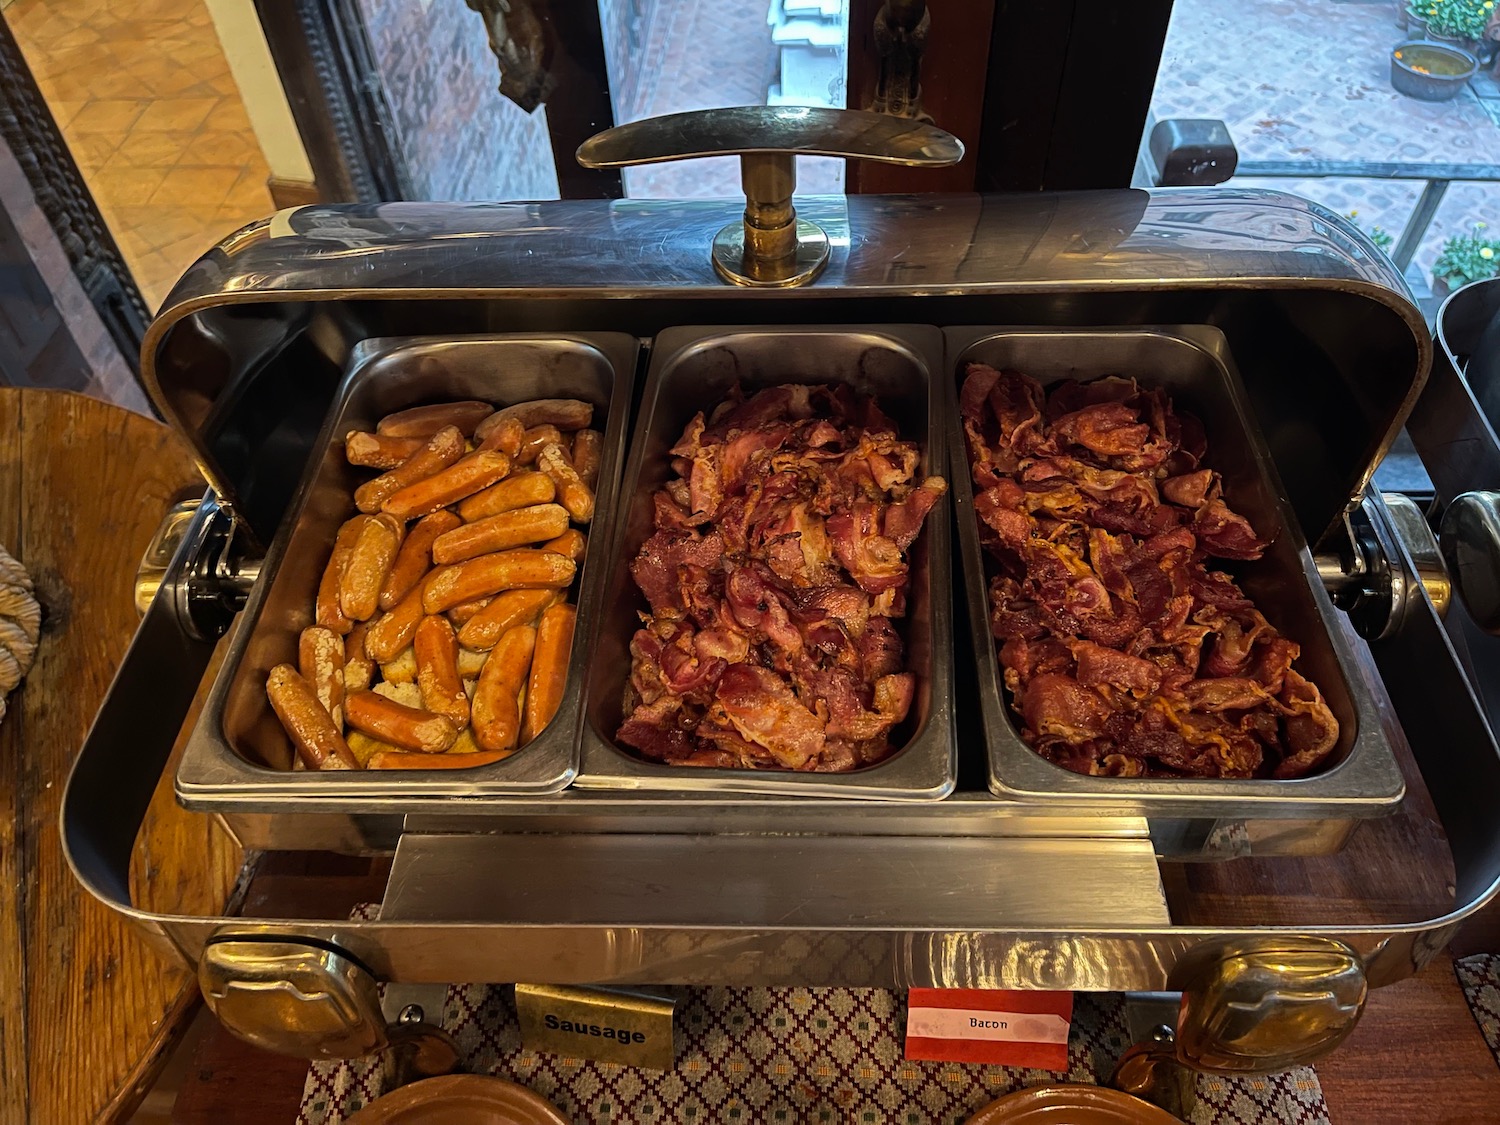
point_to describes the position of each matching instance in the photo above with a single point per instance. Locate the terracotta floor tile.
(147, 148)
(216, 146)
(176, 114)
(91, 150)
(72, 85)
(129, 185)
(201, 187)
(171, 82)
(231, 116)
(82, 35)
(63, 109)
(250, 195)
(108, 115)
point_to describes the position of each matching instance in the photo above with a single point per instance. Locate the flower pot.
(1416, 26)
(1430, 72)
(1440, 287)
(1463, 43)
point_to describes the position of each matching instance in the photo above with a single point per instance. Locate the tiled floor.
(145, 99)
(1296, 80)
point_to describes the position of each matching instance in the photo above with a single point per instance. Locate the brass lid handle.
(773, 248)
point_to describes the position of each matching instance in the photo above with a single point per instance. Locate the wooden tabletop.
(83, 485)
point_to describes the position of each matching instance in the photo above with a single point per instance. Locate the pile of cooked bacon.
(1124, 654)
(777, 564)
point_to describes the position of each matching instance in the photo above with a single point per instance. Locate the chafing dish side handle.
(126, 749)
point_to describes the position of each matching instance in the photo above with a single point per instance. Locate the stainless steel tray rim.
(902, 776)
(214, 776)
(1029, 777)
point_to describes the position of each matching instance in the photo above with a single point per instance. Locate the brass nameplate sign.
(607, 1025)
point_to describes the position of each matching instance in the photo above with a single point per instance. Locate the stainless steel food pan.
(692, 369)
(238, 756)
(1194, 365)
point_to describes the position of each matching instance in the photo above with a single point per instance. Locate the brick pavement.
(701, 54)
(1310, 80)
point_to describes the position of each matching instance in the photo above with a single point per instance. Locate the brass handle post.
(772, 247)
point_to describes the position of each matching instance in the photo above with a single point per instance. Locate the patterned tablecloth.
(1480, 977)
(793, 1055)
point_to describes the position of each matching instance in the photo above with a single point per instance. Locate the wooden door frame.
(1047, 95)
(322, 52)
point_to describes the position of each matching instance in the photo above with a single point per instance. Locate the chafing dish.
(693, 369)
(1191, 362)
(972, 890)
(238, 756)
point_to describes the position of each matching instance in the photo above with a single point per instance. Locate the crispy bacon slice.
(1125, 656)
(777, 564)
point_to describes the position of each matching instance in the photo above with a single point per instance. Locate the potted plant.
(1465, 258)
(1461, 22)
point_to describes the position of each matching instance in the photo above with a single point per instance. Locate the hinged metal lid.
(246, 352)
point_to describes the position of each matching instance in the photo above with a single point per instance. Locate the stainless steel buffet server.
(972, 890)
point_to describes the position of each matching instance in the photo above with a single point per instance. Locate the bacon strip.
(777, 563)
(1124, 654)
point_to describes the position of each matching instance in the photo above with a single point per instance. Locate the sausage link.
(515, 528)
(320, 661)
(414, 559)
(463, 478)
(564, 413)
(586, 448)
(490, 574)
(507, 610)
(505, 435)
(549, 669)
(393, 631)
(442, 449)
(519, 490)
(572, 543)
(436, 649)
(319, 743)
(327, 611)
(399, 725)
(369, 564)
(572, 493)
(359, 669)
(534, 439)
(464, 611)
(377, 451)
(496, 716)
(401, 760)
(424, 421)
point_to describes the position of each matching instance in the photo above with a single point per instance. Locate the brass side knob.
(1258, 1006)
(772, 248)
(314, 1002)
(293, 999)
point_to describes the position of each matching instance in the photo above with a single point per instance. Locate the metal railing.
(1436, 179)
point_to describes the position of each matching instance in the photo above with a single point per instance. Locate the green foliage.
(1467, 257)
(1465, 19)
(1382, 238)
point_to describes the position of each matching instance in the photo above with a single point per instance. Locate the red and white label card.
(1000, 1027)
